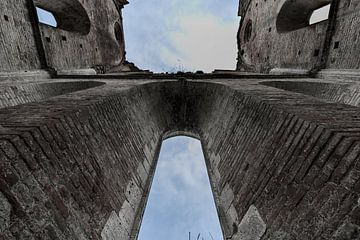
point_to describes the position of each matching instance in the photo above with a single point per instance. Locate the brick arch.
(69, 14)
(294, 15)
(85, 161)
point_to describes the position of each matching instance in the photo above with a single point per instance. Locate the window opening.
(118, 32)
(68, 15)
(320, 14)
(248, 30)
(295, 14)
(180, 204)
(46, 17)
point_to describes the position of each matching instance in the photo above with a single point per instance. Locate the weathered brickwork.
(343, 93)
(12, 95)
(78, 153)
(17, 46)
(64, 177)
(280, 36)
(28, 45)
(345, 44)
(66, 50)
(79, 166)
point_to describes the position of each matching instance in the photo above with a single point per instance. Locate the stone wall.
(12, 95)
(73, 49)
(89, 35)
(280, 36)
(63, 171)
(18, 49)
(345, 44)
(346, 93)
(80, 166)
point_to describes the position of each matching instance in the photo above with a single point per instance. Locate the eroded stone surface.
(113, 229)
(5, 210)
(252, 226)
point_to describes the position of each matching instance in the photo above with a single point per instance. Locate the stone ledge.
(289, 71)
(344, 74)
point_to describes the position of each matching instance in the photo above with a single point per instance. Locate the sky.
(181, 35)
(320, 14)
(180, 199)
(46, 17)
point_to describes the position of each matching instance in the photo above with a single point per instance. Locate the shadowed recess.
(70, 15)
(296, 14)
(342, 93)
(19, 94)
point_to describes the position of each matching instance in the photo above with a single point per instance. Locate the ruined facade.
(79, 146)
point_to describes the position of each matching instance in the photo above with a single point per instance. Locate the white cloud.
(178, 35)
(205, 42)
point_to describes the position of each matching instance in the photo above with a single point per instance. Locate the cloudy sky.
(180, 199)
(181, 35)
(171, 36)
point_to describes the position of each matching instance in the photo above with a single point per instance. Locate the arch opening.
(180, 203)
(70, 15)
(320, 14)
(297, 14)
(46, 17)
(248, 31)
(118, 33)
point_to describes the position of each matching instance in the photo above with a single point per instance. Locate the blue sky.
(46, 17)
(180, 199)
(181, 35)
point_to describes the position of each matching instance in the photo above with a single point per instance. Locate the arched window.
(320, 14)
(296, 14)
(248, 31)
(69, 15)
(118, 33)
(46, 17)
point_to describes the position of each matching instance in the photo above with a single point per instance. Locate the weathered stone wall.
(76, 50)
(282, 39)
(89, 34)
(291, 156)
(69, 163)
(266, 48)
(345, 44)
(243, 5)
(17, 46)
(341, 92)
(12, 95)
(79, 166)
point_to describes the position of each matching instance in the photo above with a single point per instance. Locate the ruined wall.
(340, 92)
(87, 40)
(18, 49)
(79, 166)
(345, 44)
(292, 157)
(266, 48)
(276, 35)
(89, 34)
(65, 175)
(12, 95)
